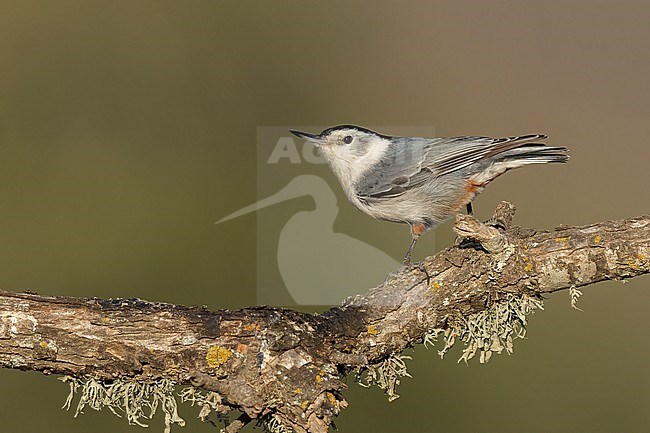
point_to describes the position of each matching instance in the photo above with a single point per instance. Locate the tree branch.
(287, 366)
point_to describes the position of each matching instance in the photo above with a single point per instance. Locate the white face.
(349, 143)
(350, 152)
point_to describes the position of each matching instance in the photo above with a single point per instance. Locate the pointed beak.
(312, 138)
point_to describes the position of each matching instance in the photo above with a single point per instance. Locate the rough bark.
(265, 360)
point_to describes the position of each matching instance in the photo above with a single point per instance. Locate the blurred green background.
(127, 128)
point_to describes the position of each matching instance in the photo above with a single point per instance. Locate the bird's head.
(347, 147)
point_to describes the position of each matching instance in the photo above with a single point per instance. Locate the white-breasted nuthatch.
(422, 181)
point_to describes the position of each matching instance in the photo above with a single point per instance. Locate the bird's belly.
(415, 206)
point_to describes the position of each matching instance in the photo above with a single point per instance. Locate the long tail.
(534, 153)
(525, 154)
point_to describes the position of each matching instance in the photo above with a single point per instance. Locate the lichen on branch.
(286, 368)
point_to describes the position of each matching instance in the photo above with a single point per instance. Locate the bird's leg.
(416, 230)
(459, 241)
(407, 257)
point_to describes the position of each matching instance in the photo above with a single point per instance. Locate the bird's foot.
(408, 267)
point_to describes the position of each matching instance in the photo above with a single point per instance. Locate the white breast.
(349, 167)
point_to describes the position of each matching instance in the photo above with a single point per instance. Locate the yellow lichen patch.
(562, 239)
(597, 239)
(298, 391)
(173, 370)
(304, 404)
(44, 344)
(319, 378)
(251, 327)
(331, 398)
(436, 285)
(372, 330)
(635, 263)
(217, 355)
(528, 267)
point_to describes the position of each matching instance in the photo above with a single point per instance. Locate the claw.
(420, 267)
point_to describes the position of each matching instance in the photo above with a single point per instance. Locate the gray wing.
(409, 162)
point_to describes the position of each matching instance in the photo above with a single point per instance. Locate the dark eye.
(347, 139)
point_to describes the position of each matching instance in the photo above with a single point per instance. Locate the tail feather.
(532, 153)
(535, 154)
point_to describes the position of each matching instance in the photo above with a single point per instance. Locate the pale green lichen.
(208, 400)
(489, 331)
(139, 401)
(135, 399)
(486, 332)
(272, 424)
(575, 294)
(386, 375)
